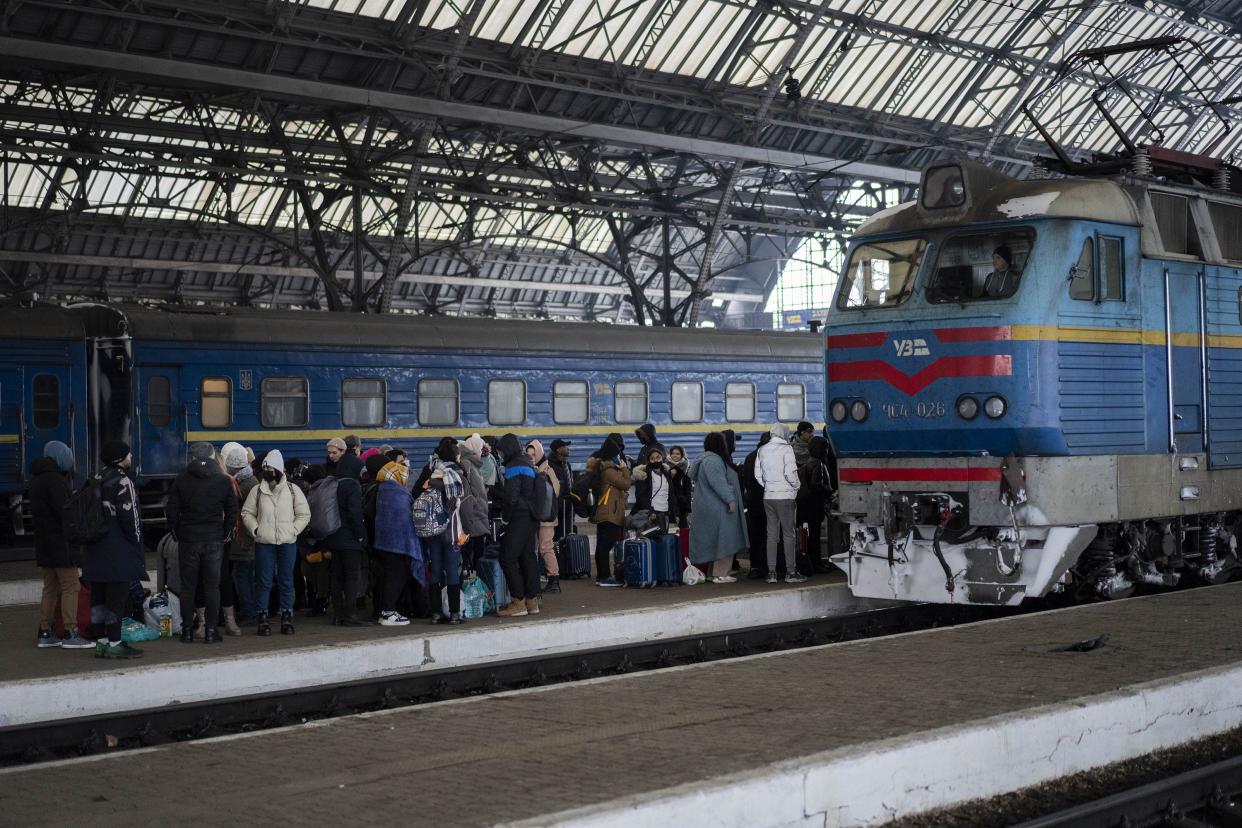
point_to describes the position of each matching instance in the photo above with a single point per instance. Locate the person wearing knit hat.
(335, 450)
(51, 484)
(239, 556)
(233, 456)
(275, 514)
(116, 560)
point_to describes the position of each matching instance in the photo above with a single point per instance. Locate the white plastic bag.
(163, 612)
(692, 575)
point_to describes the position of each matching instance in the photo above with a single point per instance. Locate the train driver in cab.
(1003, 280)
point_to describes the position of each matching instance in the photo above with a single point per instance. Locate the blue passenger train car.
(1034, 384)
(162, 379)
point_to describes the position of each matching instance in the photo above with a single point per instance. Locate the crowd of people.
(368, 538)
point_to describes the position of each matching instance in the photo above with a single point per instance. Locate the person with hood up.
(201, 510)
(474, 519)
(801, 442)
(275, 514)
(50, 486)
(646, 434)
(116, 560)
(814, 495)
(653, 487)
(683, 489)
(239, 556)
(612, 486)
(777, 472)
(517, 550)
(720, 527)
(558, 461)
(396, 551)
(547, 529)
(444, 550)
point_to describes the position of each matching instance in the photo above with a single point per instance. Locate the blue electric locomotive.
(1034, 384)
(161, 379)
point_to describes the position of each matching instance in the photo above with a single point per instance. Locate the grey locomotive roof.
(302, 328)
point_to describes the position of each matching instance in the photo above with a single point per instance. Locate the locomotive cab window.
(629, 402)
(1227, 221)
(1178, 233)
(1112, 282)
(570, 402)
(881, 274)
(1082, 275)
(284, 402)
(506, 402)
(159, 401)
(740, 402)
(687, 402)
(437, 402)
(45, 401)
(980, 266)
(790, 401)
(363, 402)
(215, 402)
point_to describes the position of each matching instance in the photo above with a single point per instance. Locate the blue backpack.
(430, 516)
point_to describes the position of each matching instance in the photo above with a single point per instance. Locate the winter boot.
(200, 621)
(264, 627)
(230, 621)
(515, 609)
(286, 623)
(554, 584)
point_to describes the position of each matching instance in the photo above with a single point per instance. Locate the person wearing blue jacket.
(517, 553)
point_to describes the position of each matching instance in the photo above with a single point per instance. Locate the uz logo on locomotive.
(911, 347)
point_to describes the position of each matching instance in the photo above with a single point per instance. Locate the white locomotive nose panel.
(983, 571)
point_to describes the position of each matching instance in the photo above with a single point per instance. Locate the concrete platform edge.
(874, 783)
(30, 591)
(138, 687)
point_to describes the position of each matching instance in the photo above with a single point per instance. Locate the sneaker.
(439, 618)
(532, 606)
(795, 578)
(46, 639)
(122, 650)
(771, 577)
(609, 582)
(554, 584)
(456, 618)
(393, 619)
(724, 579)
(515, 609)
(72, 640)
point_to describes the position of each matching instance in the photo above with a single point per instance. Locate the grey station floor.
(529, 753)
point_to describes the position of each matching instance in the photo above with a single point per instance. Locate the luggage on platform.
(638, 555)
(574, 556)
(683, 535)
(668, 559)
(82, 612)
(491, 573)
(803, 560)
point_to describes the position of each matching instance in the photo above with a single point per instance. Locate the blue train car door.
(11, 473)
(1185, 350)
(161, 423)
(45, 410)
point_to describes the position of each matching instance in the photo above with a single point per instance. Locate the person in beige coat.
(547, 530)
(275, 514)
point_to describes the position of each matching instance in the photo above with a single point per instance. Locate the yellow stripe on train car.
(372, 434)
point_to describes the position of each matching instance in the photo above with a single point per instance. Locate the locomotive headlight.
(994, 407)
(859, 410)
(967, 407)
(838, 411)
(944, 186)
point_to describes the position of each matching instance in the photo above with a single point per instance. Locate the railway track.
(47, 741)
(1199, 798)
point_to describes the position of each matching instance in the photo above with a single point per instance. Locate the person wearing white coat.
(776, 470)
(275, 513)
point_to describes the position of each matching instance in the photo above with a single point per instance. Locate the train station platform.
(21, 582)
(42, 685)
(854, 733)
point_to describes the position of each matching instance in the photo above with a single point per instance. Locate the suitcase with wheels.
(683, 535)
(574, 556)
(668, 559)
(639, 562)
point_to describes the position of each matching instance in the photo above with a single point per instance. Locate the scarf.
(451, 474)
(392, 470)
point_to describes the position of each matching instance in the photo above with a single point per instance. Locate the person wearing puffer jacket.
(776, 471)
(607, 467)
(474, 520)
(547, 529)
(517, 551)
(275, 514)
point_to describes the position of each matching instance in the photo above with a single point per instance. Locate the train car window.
(1227, 220)
(215, 402)
(1176, 224)
(437, 402)
(740, 402)
(45, 400)
(980, 266)
(790, 401)
(159, 401)
(629, 402)
(1082, 274)
(1112, 281)
(571, 400)
(881, 274)
(284, 402)
(687, 402)
(506, 402)
(363, 401)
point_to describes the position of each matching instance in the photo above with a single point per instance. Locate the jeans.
(445, 559)
(199, 564)
(243, 583)
(780, 519)
(274, 559)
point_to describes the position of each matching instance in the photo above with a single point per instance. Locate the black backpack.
(85, 517)
(582, 495)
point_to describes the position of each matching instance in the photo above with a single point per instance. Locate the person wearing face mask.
(679, 476)
(653, 487)
(275, 514)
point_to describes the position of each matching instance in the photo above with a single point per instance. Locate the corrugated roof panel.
(774, 37)
(698, 35)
